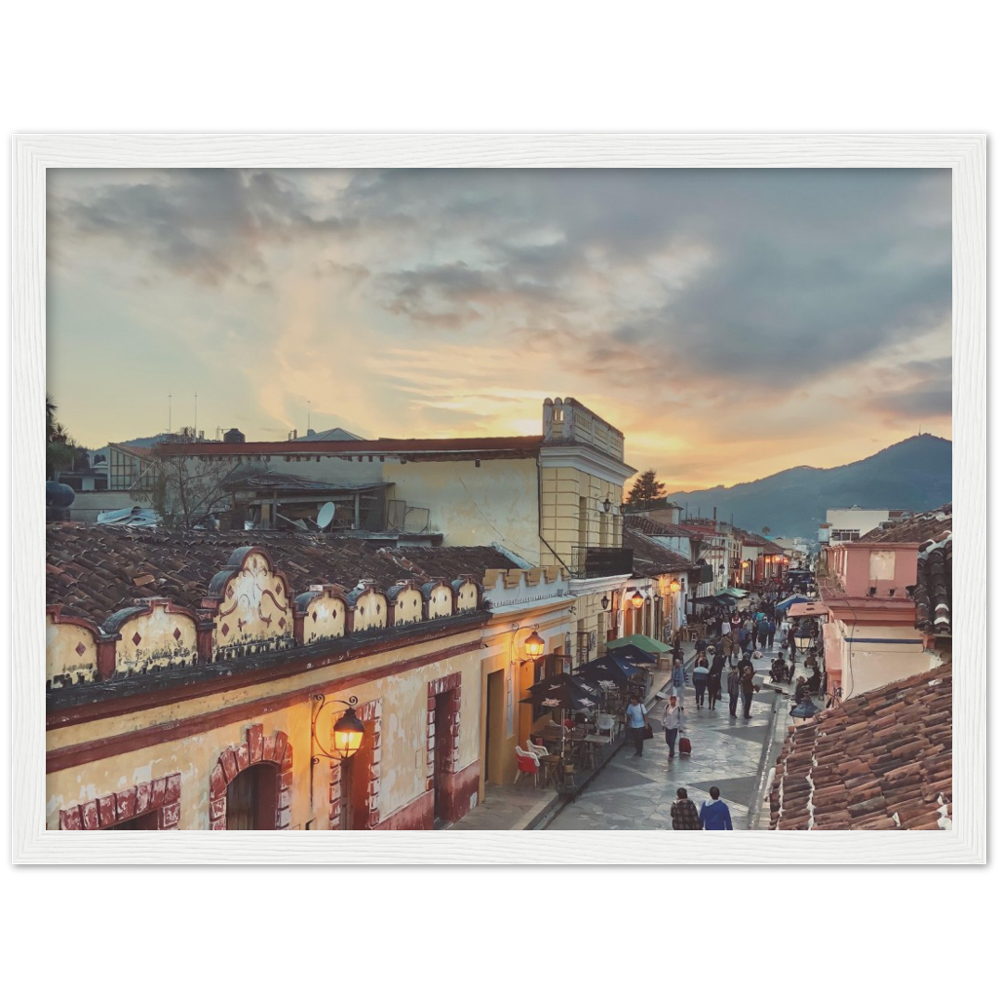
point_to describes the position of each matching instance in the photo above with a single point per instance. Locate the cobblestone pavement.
(635, 793)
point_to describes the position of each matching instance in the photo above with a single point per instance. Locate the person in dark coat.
(715, 680)
(746, 686)
(683, 812)
(733, 687)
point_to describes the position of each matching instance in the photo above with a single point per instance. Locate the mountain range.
(914, 474)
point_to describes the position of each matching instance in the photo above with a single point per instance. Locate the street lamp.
(803, 642)
(637, 600)
(675, 586)
(605, 602)
(534, 645)
(348, 730)
(607, 505)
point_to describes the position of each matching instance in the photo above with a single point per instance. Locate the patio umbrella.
(634, 656)
(564, 691)
(804, 710)
(789, 601)
(607, 668)
(642, 641)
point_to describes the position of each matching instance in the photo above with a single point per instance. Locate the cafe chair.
(538, 751)
(607, 722)
(527, 763)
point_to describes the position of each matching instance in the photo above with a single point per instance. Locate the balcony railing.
(591, 561)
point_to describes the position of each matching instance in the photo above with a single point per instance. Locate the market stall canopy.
(642, 642)
(808, 609)
(734, 592)
(789, 601)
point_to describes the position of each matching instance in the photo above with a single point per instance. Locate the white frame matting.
(964, 154)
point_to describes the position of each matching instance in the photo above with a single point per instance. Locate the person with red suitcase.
(672, 716)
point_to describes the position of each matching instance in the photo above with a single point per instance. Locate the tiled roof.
(381, 446)
(881, 761)
(646, 525)
(932, 594)
(649, 558)
(930, 524)
(93, 570)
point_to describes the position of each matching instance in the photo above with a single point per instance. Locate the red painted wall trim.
(84, 753)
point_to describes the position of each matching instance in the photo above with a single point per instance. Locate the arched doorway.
(252, 799)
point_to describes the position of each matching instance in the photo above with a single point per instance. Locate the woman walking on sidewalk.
(683, 812)
(699, 675)
(672, 716)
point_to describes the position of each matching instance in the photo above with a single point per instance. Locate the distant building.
(848, 524)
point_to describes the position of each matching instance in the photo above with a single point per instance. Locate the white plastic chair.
(538, 751)
(606, 721)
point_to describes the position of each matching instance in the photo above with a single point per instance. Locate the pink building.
(869, 638)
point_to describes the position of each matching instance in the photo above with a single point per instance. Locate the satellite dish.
(325, 516)
(59, 495)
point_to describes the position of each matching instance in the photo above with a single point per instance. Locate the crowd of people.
(723, 664)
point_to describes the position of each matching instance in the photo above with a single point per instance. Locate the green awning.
(642, 641)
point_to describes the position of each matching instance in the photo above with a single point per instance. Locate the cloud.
(209, 225)
(925, 391)
(707, 313)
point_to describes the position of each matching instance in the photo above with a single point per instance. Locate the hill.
(914, 474)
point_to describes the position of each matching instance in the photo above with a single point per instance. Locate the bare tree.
(184, 489)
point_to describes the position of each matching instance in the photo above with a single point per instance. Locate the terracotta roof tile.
(919, 528)
(932, 593)
(151, 562)
(880, 761)
(650, 558)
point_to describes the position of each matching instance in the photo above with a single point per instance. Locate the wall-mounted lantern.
(348, 730)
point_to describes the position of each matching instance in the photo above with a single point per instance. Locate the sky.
(732, 323)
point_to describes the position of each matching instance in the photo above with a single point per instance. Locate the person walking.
(754, 632)
(733, 687)
(679, 679)
(635, 716)
(671, 723)
(699, 676)
(683, 812)
(714, 813)
(746, 684)
(715, 680)
(727, 647)
(770, 633)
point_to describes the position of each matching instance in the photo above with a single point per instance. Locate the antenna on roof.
(170, 417)
(308, 414)
(196, 414)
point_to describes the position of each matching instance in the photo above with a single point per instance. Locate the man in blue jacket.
(715, 814)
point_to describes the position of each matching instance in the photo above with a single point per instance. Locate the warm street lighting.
(348, 734)
(348, 730)
(534, 645)
(637, 600)
(675, 586)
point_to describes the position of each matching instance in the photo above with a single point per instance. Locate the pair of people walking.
(714, 813)
(740, 684)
